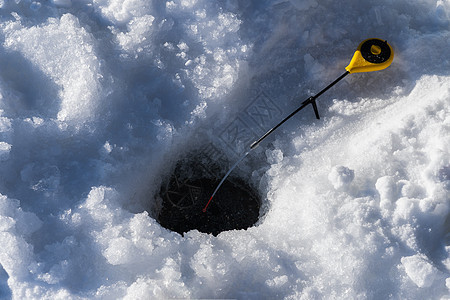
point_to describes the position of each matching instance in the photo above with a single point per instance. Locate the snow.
(341, 176)
(100, 98)
(420, 271)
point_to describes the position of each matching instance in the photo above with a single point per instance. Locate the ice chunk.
(274, 156)
(5, 148)
(419, 270)
(16, 255)
(120, 251)
(5, 123)
(15, 227)
(405, 208)
(277, 281)
(13, 217)
(387, 189)
(341, 176)
(138, 36)
(168, 285)
(6, 223)
(98, 203)
(122, 11)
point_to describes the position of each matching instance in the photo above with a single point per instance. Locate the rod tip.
(204, 209)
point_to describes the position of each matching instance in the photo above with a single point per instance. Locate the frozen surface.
(99, 98)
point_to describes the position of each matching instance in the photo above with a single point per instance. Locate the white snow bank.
(397, 198)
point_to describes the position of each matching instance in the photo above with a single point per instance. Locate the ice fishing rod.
(371, 55)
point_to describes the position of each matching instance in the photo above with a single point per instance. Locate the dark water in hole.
(235, 206)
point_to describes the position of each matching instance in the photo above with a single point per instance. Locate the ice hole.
(184, 194)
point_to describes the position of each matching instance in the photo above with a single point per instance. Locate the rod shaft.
(310, 100)
(331, 84)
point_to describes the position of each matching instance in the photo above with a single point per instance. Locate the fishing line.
(371, 55)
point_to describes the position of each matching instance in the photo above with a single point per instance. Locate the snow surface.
(99, 98)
